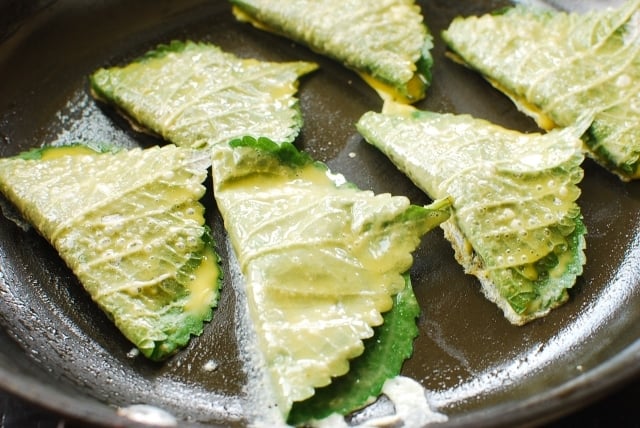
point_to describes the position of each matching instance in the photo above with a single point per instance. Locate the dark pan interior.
(58, 350)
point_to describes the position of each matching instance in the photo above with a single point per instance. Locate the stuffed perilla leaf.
(556, 66)
(196, 95)
(130, 226)
(386, 41)
(321, 259)
(515, 223)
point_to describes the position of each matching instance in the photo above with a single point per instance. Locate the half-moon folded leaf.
(196, 95)
(556, 66)
(386, 41)
(129, 224)
(515, 222)
(321, 259)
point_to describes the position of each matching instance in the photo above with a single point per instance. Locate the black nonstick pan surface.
(59, 351)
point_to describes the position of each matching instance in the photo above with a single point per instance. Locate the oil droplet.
(210, 366)
(149, 415)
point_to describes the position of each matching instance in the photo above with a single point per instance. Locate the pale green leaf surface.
(196, 95)
(386, 39)
(321, 260)
(382, 359)
(559, 66)
(515, 221)
(131, 228)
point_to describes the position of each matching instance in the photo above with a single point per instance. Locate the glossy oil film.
(58, 347)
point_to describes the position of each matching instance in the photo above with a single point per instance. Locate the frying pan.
(59, 351)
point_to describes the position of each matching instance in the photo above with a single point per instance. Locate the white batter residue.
(411, 404)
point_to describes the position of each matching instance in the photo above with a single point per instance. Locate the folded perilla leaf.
(321, 259)
(130, 226)
(515, 222)
(196, 95)
(556, 66)
(386, 41)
